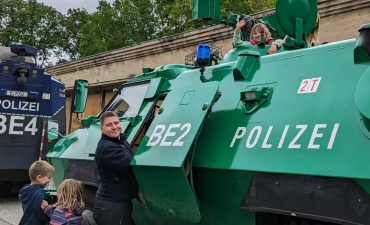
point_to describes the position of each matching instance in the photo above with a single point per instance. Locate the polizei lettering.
(294, 142)
(19, 105)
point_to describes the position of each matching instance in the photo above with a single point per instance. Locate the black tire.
(88, 197)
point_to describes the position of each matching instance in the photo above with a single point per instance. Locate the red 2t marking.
(309, 85)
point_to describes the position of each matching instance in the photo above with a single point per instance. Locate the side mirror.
(79, 96)
(53, 129)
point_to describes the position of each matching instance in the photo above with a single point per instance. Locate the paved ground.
(10, 211)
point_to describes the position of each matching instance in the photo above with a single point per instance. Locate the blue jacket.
(31, 197)
(116, 178)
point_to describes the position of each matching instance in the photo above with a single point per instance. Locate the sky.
(63, 5)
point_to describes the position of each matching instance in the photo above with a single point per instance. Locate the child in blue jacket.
(32, 195)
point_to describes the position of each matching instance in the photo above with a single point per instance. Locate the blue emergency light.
(203, 54)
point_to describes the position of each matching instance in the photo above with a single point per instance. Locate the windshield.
(128, 102)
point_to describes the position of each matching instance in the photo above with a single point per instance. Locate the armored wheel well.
(291, 199)
(84, 171)
(88, 195)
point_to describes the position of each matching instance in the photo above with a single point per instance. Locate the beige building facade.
(340, 20)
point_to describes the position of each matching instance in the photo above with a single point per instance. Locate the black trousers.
(113, 213)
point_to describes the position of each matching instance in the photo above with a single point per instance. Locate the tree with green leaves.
(69, 43)
(175, 16)
(42, 28)
(236, 7)
(122, 23)
(30, 23)
(140, 18)
(103, 32)
(259, 6)
(11, 21)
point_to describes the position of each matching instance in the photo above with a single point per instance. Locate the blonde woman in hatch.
(255, 36)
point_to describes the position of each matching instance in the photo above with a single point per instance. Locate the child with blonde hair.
(69, 207)
(255, 35)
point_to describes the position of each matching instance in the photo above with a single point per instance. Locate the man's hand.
(239, 25)
(272, 50)
(44, 204)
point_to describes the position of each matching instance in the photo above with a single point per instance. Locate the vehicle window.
(128, 102)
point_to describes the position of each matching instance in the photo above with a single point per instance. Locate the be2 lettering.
(172, 130)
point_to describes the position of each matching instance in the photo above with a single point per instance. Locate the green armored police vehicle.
(251, 139)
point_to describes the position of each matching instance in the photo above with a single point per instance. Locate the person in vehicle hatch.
(255, 35)
(117, 182)
(32, 195)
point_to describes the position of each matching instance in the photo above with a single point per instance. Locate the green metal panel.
(172, 70)
(362, 101)
(233, 54)
(159, 161)
(361, 52)
(60, 165)
(206, 9)
(273, 21)
(155, 87)
(244, 65)
(326, 118)
(92, 138)
(64, 143)
(287, 12)
(217, 191)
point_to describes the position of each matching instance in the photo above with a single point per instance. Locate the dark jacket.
(31, 197)
(115, 176)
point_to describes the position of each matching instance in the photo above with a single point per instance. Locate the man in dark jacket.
(117, 183)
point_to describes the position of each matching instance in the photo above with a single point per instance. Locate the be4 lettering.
(16, 125)
(294, 142)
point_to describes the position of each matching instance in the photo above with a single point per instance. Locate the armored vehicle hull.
(29, 99)
(302, 153)
(256, 139)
